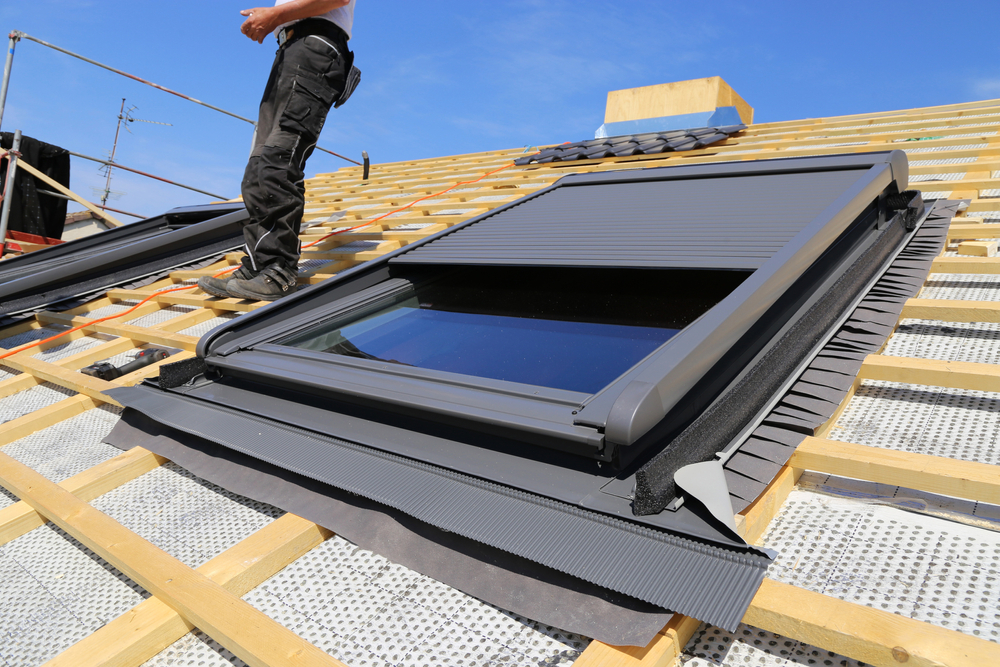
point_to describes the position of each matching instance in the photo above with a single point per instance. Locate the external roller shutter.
(737, 222)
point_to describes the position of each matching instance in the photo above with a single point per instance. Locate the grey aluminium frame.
(595, 425)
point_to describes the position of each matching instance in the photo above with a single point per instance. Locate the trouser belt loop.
(312, 26)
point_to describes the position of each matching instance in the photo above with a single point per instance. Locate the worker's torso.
(342, 16)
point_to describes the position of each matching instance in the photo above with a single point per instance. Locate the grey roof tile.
(647, 143)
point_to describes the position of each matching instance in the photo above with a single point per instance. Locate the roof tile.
(647, 143)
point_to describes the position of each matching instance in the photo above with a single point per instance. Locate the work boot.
(220, 286)
(272, 283)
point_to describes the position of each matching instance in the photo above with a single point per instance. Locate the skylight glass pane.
(550, 334)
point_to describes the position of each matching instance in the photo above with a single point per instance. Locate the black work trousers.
(308, 75)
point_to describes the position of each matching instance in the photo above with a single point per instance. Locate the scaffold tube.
(17, 34)
(14, 36)
(142, 173)
(8, 189)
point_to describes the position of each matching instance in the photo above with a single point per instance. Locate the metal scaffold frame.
(101, 210)
(17, 35)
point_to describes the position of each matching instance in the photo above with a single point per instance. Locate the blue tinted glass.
(570, 329)
(579, 356)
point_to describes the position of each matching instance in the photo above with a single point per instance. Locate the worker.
(312, 71)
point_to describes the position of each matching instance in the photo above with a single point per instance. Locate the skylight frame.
(594, 425)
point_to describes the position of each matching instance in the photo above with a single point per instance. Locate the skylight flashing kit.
(293, 384)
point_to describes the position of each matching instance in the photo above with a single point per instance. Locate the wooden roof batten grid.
(208, 597)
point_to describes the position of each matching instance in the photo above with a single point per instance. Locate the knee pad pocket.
(308, 104)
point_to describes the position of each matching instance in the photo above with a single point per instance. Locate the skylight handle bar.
(9, 190)
(14, 37)
(17, 34)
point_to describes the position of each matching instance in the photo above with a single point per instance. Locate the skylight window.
(586, 344)
(598, 317)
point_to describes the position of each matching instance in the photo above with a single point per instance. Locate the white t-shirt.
(342, 16)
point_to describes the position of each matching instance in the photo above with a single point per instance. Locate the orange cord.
(403, 208)
(28, 346)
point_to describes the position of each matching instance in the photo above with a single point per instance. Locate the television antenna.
(124, 116)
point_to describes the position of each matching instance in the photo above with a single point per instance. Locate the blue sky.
(445, 77)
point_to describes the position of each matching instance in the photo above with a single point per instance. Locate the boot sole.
(236, 292)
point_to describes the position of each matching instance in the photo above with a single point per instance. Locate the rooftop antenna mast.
(126, 116)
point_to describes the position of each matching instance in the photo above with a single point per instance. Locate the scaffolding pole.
(8, 190)
(14, 37)
(17, 34)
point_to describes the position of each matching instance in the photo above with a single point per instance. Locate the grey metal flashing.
(817, 393)
(493, 577)
(709, 582)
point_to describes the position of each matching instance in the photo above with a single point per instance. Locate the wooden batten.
(952, 310)
(922, 472)
(150, 627)
(251, 635)
(874, 636)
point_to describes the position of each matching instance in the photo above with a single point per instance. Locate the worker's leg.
(274, 195)
(266, 121)
(311, 77)
(253, 187)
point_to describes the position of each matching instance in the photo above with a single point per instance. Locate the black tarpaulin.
(31, 211)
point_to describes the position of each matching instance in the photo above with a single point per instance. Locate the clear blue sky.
(448, 77)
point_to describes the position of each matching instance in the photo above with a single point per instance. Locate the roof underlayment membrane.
(922, 551)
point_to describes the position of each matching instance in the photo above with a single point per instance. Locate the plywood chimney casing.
(675, 99)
